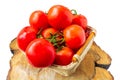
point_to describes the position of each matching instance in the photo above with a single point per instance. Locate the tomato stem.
(39, 34)
(57, 40)
(74, 12)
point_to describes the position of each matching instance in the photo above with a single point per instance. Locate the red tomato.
(74, 36)
(64, 56)
(80, 20)
(40, 53)
(87, 32)
(59, 17)
(25, 36)
(46, 33)
(38, 19)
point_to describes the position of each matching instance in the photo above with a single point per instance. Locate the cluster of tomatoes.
(52, 37)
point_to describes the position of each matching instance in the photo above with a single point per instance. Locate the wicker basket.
(77, 58)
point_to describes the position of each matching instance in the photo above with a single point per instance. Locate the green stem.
(57, 43)
(74, 12)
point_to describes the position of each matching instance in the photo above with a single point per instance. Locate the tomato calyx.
(74, 12)
(57, 40)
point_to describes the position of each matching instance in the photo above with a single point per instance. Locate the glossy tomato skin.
(80, 20)
(46, 33)
(38, 19)
(40, 53)
(59, 17)
(74, 36)
(25, 36)
(64, 56)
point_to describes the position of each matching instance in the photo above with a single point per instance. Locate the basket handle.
(79, 52)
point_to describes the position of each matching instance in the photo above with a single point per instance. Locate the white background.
(103, 15)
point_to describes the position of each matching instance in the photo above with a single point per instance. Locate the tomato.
(25, 36)
(74, 36)
(87, 32)
(64, 56)
(38, 19)
(59, 17)
(46, 33)
(80, 20)
(40, 53)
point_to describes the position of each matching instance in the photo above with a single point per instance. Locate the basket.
(77, 58)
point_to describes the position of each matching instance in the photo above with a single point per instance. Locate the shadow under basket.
(77, 58)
